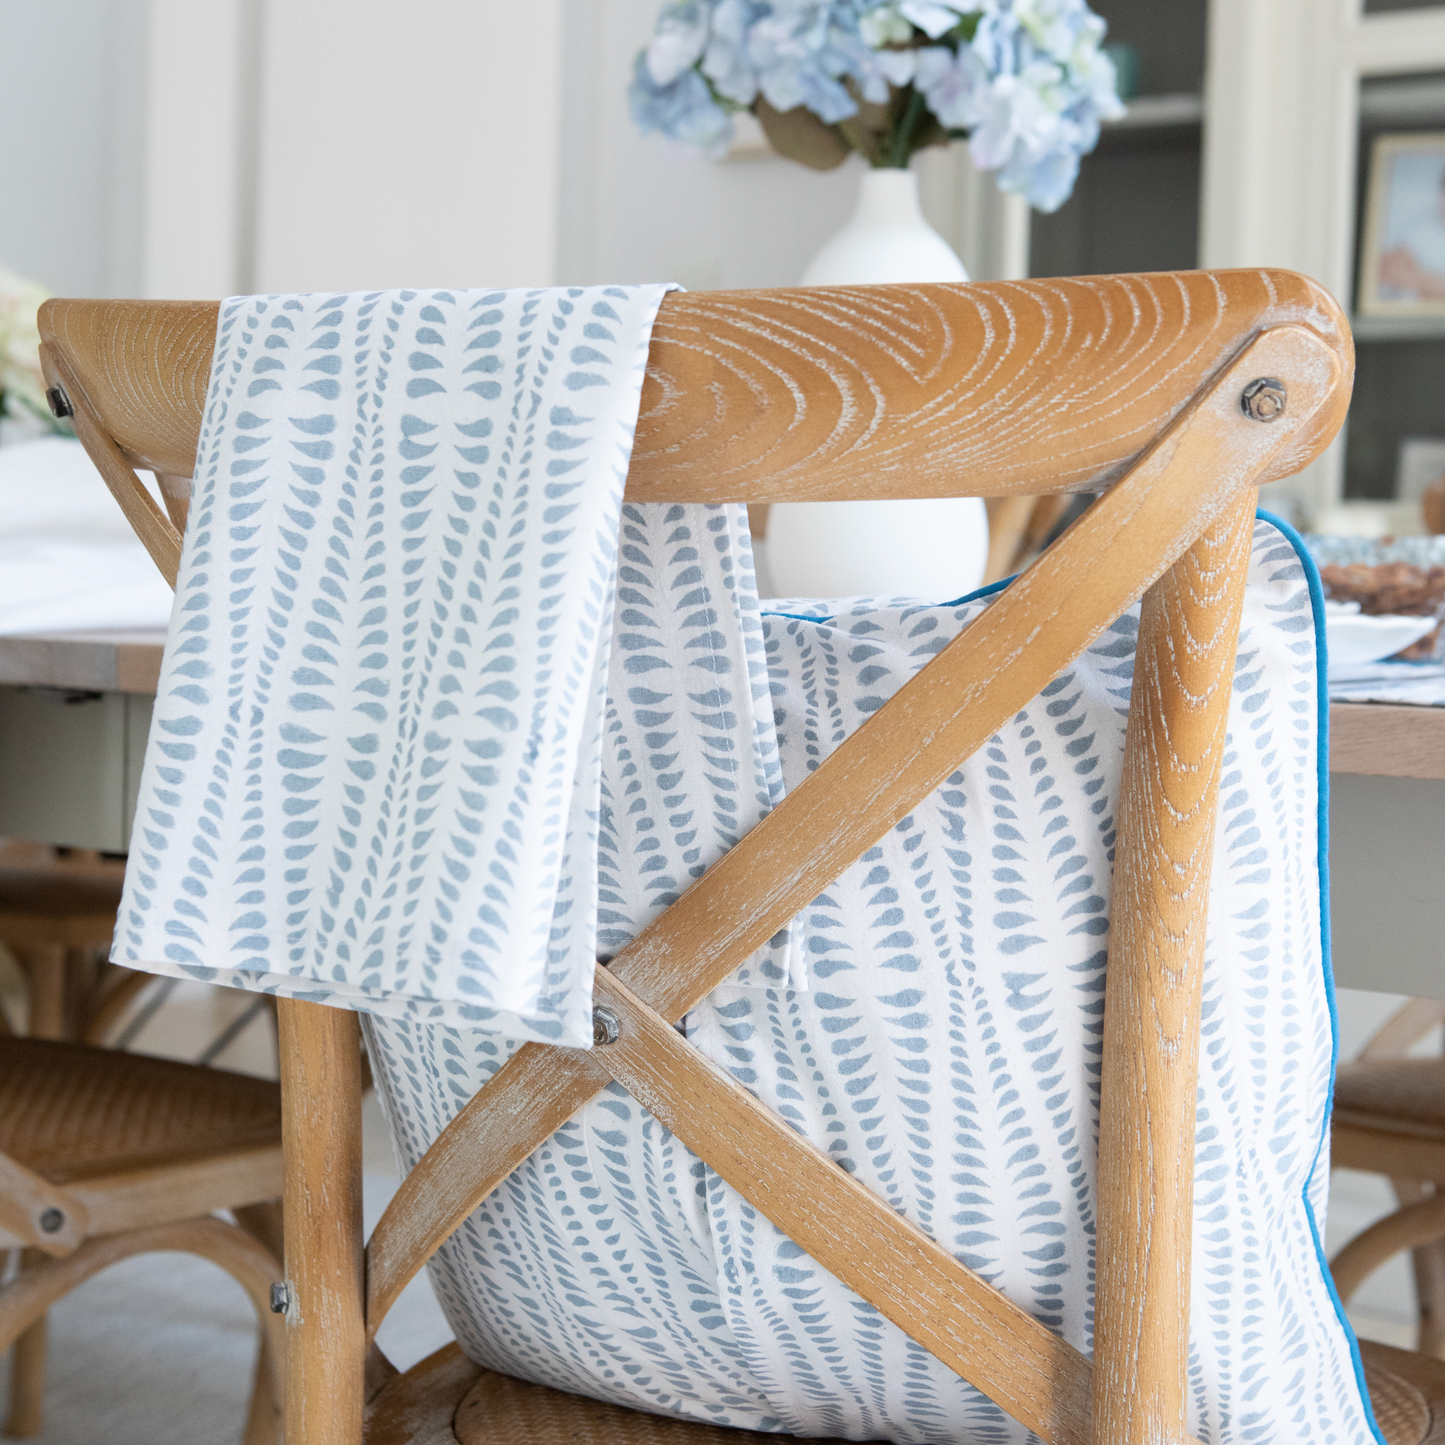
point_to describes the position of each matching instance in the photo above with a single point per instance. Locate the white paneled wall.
(204, 147)
(71, 101)
(634, 209)
(408, 144)
(198, 196)
(347, 144)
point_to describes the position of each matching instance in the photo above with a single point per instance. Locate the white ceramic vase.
(934, 548)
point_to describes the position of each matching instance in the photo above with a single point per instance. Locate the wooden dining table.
(75, 711)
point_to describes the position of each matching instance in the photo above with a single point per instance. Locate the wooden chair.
(1389, 1118)
(57, 914)
(1148, 386)
(106, 1155)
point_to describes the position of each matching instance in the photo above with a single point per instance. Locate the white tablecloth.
(1420, 683)
(68, 558)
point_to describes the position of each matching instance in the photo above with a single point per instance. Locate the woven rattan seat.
(71, 1112)
(1399, 1096)
(1407, 1391)
(447, 1400)
(499, 1410)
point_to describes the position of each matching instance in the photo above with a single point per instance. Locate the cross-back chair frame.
(1175, 396)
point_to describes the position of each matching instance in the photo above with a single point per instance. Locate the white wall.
(71, 87)
(410, 144)
(199, 194)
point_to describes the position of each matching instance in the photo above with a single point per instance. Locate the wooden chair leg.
(1416, 1226)
(1168, 803)
(1008, 520)
(325, 1264)
(45, 968)
(108, 1007)
(1428, 1261)
(24, 1302)
(1404, 1029)
(49, 967)
(86, 971)
(264, 1422)
(27, 1383)
(26, 1418)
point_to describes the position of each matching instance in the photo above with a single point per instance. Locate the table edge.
(1387, 740)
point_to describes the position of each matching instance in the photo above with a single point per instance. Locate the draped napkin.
(373, 772)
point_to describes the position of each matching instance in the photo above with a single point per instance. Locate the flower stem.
(857, 142)
(898, 149)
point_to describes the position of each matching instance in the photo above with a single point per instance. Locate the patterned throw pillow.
(933, 1021)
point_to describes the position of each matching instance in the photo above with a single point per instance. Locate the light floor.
(159, 1350)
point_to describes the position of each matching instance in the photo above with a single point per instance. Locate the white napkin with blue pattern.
(373, 773)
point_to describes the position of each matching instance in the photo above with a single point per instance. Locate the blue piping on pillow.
(1322, 747)
(977, 595)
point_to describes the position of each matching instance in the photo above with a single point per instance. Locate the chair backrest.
(1175, 395)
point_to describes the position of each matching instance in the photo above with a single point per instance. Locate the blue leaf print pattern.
(933, 1021)
(376, 768)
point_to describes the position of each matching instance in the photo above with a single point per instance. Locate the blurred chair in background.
(1389, 1118)
(57, 914)
(105, 1155)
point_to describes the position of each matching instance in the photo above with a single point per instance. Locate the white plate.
(1355, 640)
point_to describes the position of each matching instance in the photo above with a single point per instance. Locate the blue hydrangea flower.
(684, 109)
(678, 41)
(1030, 90)
(934, 17)
(800, 58)
(1025, 80)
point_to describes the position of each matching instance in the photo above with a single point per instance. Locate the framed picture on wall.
(1402, 258)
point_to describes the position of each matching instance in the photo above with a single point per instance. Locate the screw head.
(52, 1221)
(59, 402)
(1263, 399)
(605, 1027)
(280, 1297)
